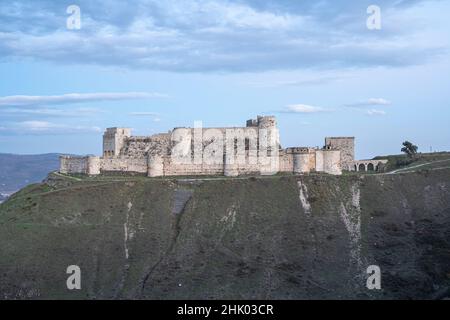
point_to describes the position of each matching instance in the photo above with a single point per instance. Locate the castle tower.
(269, 130)
(347, 147)
(92, 165)
(114, 140)
(329, 161)
(263, 122)
(155, 166)
(267, 122)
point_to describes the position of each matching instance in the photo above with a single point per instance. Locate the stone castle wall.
(89, 165)
(136, 165)
(153, 155)
(165, 166)
(347, 147)
(73, 164)
(329, 161)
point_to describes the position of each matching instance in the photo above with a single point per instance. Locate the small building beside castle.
(234, 151)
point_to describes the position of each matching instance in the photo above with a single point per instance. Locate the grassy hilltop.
(281, 237)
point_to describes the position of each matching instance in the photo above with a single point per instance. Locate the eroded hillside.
(280, 237)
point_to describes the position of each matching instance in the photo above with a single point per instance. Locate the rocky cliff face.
(278, 237)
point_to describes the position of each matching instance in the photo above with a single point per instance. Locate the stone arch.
(356, 167)
(370, 167)
(362, 167)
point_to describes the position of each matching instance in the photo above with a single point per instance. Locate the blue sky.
(153, 65)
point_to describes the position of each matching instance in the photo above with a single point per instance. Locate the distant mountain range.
(18, 171)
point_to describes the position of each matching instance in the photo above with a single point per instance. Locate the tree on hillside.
(410, 149)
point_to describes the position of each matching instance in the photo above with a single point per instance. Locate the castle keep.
(253, 149)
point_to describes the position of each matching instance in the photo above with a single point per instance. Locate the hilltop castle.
(253, 149)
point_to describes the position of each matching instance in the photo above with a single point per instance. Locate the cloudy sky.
(153, 65)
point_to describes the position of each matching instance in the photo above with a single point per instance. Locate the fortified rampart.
(89, 165)
(347, 147)
(231, 151)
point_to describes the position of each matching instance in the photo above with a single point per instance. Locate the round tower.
(301, 163)
(93, 165)
(267, 122)
(155, 166)
(332, 162)
(268, 131)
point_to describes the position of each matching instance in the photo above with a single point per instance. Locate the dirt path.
(66, 176)
(416, 166)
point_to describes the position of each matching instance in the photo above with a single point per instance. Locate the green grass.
(236, 238)
(421, 158)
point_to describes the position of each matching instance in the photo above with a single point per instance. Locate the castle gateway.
(233, 151)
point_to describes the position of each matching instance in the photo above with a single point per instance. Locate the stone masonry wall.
(137, 165)
(154, 155)
(347, 147)
(89, 165)
(73, 165)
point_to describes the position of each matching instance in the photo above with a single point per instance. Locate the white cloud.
(376, 112)
(303, 82)
(378, 101)
(370, 102)
(38, 125)
(24, 100)
(154, 115)
(51, 112)
(214, 35)
(303, 108)
(144, 114)
(243, 16)
(45, 127)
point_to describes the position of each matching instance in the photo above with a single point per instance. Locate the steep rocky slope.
(280, 237)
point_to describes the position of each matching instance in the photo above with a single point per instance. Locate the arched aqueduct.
(367, 165)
